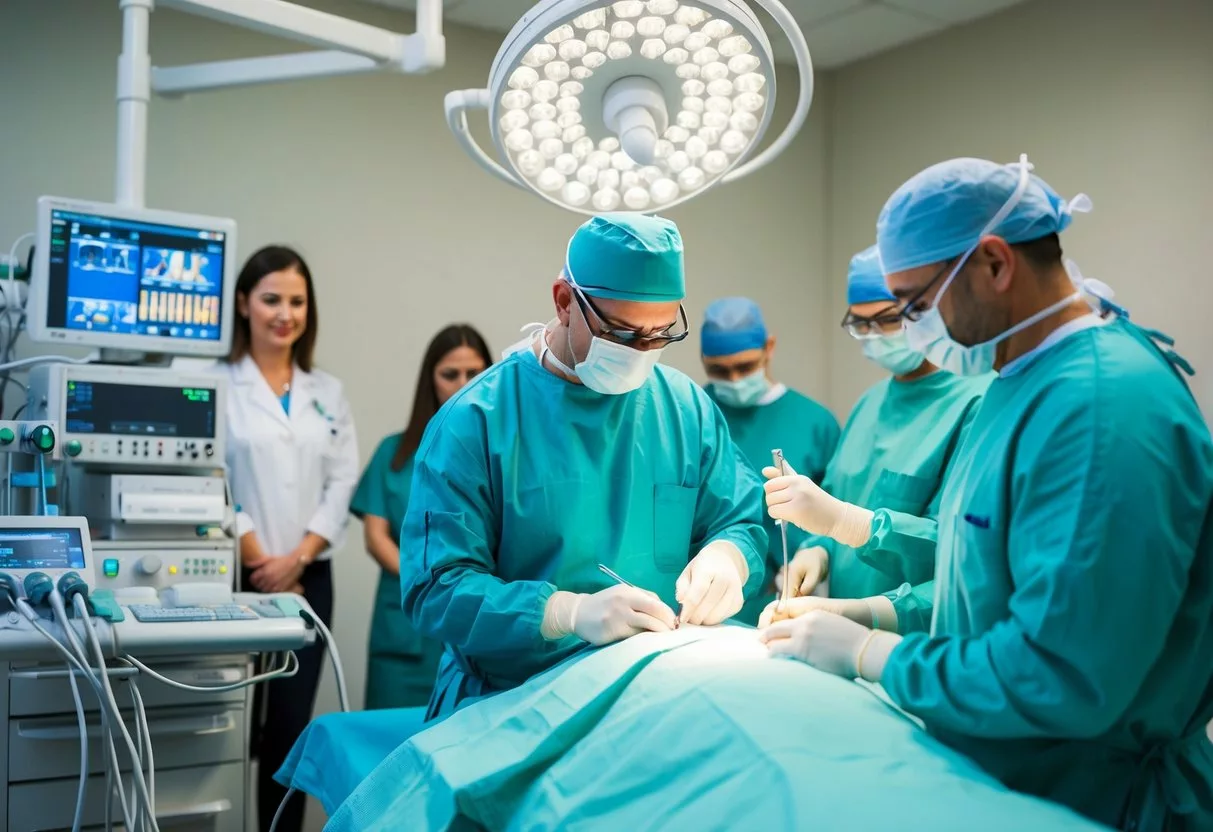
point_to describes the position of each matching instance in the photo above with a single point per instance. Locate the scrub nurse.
(761, 413)
(872, 520)
(1070, 650)
(292, 457)
(579, 449)
(402, 664)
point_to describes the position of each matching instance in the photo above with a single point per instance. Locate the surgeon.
(1071, 652)
(762, 414)
(872, 520)
(579, 450)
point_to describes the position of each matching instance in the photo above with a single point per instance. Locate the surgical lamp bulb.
(571, 89)
(543, 111)
(622, 161)
(749, 102)
(516, 100)
(590, 20)
(598, 39)
(676, 56)
(580, 73)
(664, 190)
(523, 78)
(696, 148)
(599, 159)
(519, 140)
(706, 55)
(677, 134)
(539, 54)
(628, 8)
(588, 175)
(653, 48)
(545, 90)
(618, 50)
(715, 121)
(675, 34)
(721, 87)
(687, 71)
(663, 149)
(594, 60)
(556, 71)
(710, 136)
(689, 120)
(695, 41)
(531, 162)
(560, 34)
(606, 200)
(715, 71)
(733, 142)
(573, 50)
(551, 148)
(627, 180)
(679, 161)
(574, 134)
(743, 121)
(565, 164)
(550, 180)
(622, 30)
(568, 104)
(650, 27)
(719, 104)
(750, 82)
(514, 120)
(583, 147)
(545, 130)
(717, 29)
(575, 193)
(735, 45)
(567, 120)
(690, 104)
(694, 87)
(637, 198)
(661, 7)
(609, 180)
(715, 161)
(691, 179)
(690, 16)
(741, 64)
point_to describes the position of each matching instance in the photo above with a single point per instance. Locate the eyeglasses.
(915, 308)
(673, 333)
(876, 326)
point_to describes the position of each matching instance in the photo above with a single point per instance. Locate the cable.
(11, 291)
(82, 789)
(141, 720)
(342, 696)
(95, 643)
(290, 669)
(282, 808)
(46, 509)
(42, 359)
(231, 501)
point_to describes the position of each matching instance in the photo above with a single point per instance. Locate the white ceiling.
(838, 31)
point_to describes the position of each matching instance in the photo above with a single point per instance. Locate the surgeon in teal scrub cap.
(887, 475)
(579, 450)
(762, 414)
(1071, 652)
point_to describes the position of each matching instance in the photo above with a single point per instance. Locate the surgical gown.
(401, 665)
(895, 450)
(807, 434)
(1072, 648)
(525, 483)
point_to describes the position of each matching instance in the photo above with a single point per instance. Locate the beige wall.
(404, 233)
(1110, 97)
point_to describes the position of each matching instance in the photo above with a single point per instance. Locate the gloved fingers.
(780, 490)
(779, 631)
(641, 622)
(713, 590)
(771, 472)
(684, 583)
(650, 606)
(694, 590)
(729, 605)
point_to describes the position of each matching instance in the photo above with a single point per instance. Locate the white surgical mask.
(929, 334)
(745, 391)
(608, 368)
(893, 353)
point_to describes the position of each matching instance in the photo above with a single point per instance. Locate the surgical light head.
(632, 106)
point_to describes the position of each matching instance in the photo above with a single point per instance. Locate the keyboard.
(228, 612)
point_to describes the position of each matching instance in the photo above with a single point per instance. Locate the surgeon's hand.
(797, 499)
(852, 608)
(607, 616)
(808, 569)
(710, 588)
(828, 642)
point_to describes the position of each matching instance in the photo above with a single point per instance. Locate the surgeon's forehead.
(905, 285)
(735, 359)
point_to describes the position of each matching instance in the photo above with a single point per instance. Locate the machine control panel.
(124, 564)
(132, 416)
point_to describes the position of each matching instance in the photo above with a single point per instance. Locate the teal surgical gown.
(807, 433)
(1071, 652)
(524, 483)
(894, 452)
(401, 664)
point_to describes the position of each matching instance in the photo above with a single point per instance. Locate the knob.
(43, 439)
(73, 447)
(7, 436)
(149, 565)
(210, 449)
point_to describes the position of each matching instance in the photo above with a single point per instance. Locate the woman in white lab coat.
(292, 458)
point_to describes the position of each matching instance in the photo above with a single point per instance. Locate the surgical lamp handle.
(456, 104)
(804, 66)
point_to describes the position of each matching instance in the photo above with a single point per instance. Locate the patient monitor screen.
(134, 278)
(140, 410)
(41, 549)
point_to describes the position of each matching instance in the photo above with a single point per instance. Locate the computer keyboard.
(227, 612)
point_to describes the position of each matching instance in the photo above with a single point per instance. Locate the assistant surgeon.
(579, 449)
(872, 521)
(762, 413)
(1070, 650)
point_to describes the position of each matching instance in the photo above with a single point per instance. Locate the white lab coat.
(294, 474)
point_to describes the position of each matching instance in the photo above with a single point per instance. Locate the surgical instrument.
(777, 456)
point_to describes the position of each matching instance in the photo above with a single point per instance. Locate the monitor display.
(140, 410)
(127, 278)
(32, 548)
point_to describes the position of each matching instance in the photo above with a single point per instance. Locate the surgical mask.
(929, 334)
(893, 354)
(745, 391)
(609, 368)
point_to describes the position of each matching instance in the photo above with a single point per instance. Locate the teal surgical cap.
(942, 212)
(732, 325)
(628, 257)
(865, 279)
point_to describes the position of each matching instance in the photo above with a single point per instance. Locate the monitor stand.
(134, 358)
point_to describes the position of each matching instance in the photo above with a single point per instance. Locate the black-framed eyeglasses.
(673, 333)
(914, 308)
(865, 327)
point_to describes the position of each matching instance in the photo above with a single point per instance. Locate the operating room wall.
(1108, 97)
(403, 232)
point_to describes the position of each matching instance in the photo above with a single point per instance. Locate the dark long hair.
(425, 400)
(267, 261)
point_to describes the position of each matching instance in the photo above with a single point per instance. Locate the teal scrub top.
(525, 483)
(1071, 653)
(807, 433)
(892, 458)
(401, 664)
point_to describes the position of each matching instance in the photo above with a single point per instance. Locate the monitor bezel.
(39, 522)
(39, 288)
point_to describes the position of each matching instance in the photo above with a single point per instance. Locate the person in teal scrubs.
(872, 531)
(401, 665)
(1071, 653)
(579, 450)
(762, 414)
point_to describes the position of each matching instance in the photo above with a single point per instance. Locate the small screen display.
(134, 278)
(41, 549)
(140, 410)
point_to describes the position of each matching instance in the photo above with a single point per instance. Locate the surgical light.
(636, 105)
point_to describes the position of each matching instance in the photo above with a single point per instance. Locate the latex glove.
(797, 499)
(855, 609)
(710, 588)
(827, 641)
(607, 616)
(809, 568)
(277, 574)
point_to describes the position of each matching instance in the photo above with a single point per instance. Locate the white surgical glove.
(607, 616)
(832, 643)
(808, 568)
(797, 499)
(710, 588)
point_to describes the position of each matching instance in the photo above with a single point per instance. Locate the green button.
(74, 448)
(43, 438)
(7, 436)
(110, 567)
